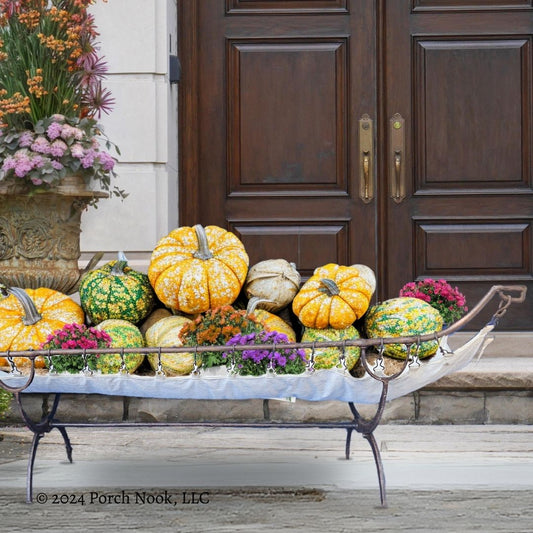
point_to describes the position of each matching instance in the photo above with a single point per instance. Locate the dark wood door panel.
(490, 250)
(281, 88)
(467, 105)
(307, 245)
(285, 134)
(472, 114)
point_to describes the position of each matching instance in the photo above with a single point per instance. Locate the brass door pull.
(366, 157)
(396, 163)
(397, 173)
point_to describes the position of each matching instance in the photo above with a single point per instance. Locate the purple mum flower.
(58, 148)
(54, 131)
(41, 145)
(26, 139)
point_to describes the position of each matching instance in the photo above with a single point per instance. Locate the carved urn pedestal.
(40, 235)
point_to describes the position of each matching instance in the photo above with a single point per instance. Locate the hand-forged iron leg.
(31, 460)
(68, 446)
(348, 442)
(366, 428)
(379, 465)
(39, 429)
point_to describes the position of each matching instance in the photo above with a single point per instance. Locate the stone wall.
(136, 38)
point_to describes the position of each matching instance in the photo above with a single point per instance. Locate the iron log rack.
(18, 382)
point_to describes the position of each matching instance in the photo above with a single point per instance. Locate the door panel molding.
(463, 77)
(269, 93)
(421, 6)
(268, 7)
(480, 250)
(306, 244)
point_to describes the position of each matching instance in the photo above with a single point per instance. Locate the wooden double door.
(393, 133)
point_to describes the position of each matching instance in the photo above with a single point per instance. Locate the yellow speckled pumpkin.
(124, 334)
(166, 332)
(196, 269)
(334, 296)
(330, 357)
(268, 320)
(28, 316)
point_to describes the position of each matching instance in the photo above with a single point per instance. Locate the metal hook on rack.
(159, 370)
(86, 370)
(123, 368)
(342, 358)
(271, 369)
(195, 369)
(442, 350)
(415, 360)
(14, 370)
(311, 362)
(50, 359)
(379, 365)
(231, 368)
(505, 302)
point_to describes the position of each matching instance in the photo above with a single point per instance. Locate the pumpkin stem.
(203, 251)
(330, 287)
(31, 315)
(120, 265)
(253, 302)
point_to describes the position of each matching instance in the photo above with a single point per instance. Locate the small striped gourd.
(124, 334)
(404, 317)
(330, 357)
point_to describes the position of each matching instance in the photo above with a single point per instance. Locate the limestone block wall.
(136, 39)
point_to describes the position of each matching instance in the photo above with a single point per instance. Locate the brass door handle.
(366, 175)
(366, 159)
(397, 174)
(396, 161)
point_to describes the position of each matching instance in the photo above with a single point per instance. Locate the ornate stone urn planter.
(40, 235)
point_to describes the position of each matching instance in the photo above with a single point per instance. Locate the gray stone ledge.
(490, 373)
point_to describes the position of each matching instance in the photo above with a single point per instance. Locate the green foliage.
(5, 401)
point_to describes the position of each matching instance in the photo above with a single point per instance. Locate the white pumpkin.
(367, 274)
(275, 280)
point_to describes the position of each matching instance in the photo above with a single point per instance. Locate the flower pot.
(40, 235)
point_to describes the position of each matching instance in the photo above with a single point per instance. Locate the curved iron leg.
(366, 428)
(348, 442)
(68, 446)
(31, 461)
(379, 466)
(39, 429)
